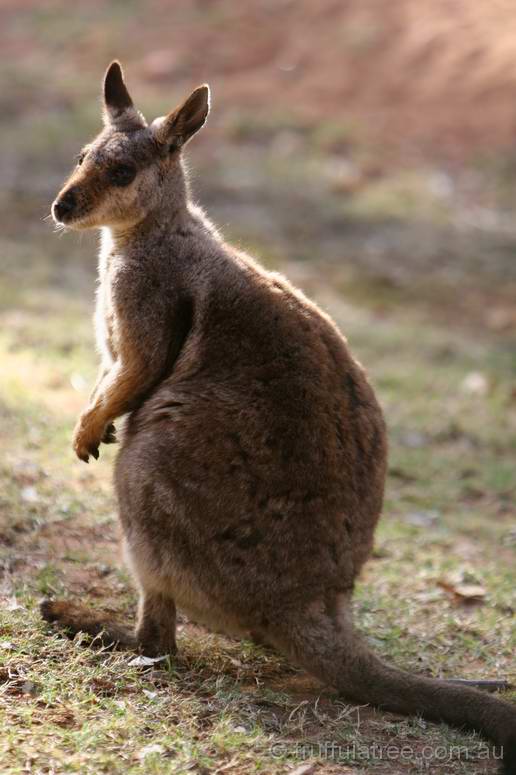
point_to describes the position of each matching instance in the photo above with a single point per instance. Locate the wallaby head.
(122, 175)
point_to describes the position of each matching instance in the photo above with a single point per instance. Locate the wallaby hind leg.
(155, 629)
(156, 625)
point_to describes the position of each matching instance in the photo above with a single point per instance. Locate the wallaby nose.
(64, 205)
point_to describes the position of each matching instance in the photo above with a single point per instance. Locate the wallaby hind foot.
(154, 634)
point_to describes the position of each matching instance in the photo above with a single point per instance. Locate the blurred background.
(372, 140)
(366, 148)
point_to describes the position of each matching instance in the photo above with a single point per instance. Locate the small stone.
(475, 384)
(423, 518)
(30, 495)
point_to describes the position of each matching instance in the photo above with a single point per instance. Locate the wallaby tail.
(367, 679)
(335, 653)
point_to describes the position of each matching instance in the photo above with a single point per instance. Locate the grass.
(225, 706)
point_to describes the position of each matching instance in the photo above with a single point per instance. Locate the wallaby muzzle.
(64, 206)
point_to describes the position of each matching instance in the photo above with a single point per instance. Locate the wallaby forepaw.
(87, 437)
(109, 436)
(84, 445)
(83, 451)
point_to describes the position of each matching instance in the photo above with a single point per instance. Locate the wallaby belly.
(225, 502)
(181, 584)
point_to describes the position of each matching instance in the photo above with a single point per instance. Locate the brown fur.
(251, 470)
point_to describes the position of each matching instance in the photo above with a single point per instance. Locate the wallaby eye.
(80, 158)
(122, 174)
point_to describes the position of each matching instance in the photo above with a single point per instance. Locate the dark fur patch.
(250, 540)
(241, 536)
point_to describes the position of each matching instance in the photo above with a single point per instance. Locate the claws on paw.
(89, 436)
(83, 450)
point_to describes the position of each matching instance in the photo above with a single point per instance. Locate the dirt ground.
(427, 78)
(376, 136)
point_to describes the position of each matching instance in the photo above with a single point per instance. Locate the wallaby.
(251, 469)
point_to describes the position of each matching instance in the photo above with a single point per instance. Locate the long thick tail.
(335, 653)
(368, 679)
(460, 706)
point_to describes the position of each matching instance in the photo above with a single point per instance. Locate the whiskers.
(58, 228)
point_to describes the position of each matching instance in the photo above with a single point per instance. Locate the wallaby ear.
(118, 105)
(183, 122)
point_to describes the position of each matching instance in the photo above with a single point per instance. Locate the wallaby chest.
(106, 332)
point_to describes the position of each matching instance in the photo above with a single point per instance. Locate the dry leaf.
(63, 718)
(464, 593)
(145, 661)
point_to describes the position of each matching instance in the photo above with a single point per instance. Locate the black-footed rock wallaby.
(251, 468)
